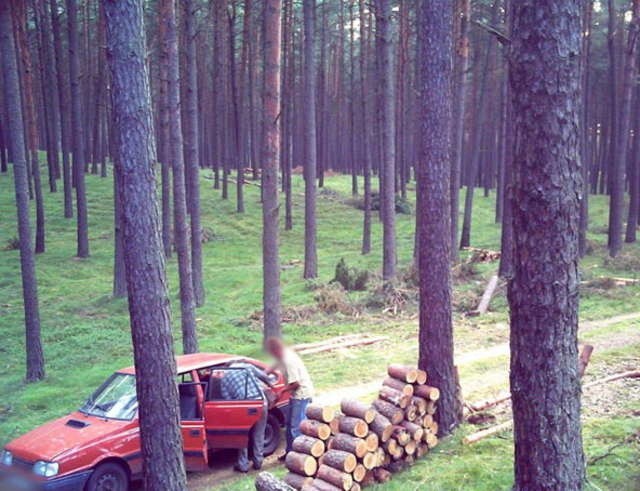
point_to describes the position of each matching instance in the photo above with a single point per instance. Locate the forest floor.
(86, 332)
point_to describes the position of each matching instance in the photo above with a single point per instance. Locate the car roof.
(195, 361)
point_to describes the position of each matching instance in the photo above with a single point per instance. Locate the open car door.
(233, 406)
(194, 435)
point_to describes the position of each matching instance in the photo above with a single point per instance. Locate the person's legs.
(258, 438)
(298, 408)
(242, 464)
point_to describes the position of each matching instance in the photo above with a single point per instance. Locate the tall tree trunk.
(16, 140)
(310, 249)
(366, 164)
(463, 12)
(634, 187)
(63, 108)
(77, 125)
(434, 226)
(181, 226)
(160, 435)
(29, 112)
(384, 31)
(270, 153)
(543, 294)
(192, 164)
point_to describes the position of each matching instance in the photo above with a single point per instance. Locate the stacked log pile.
(363, 444)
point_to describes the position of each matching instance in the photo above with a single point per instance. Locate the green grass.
(86, 332)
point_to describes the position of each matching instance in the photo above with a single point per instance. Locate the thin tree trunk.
(634, 188)
(15, 134)
(270, 153)
(366, 164)
(160, 434)
(543, 294)
(181, 226)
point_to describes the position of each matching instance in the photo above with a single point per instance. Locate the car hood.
(63, 437)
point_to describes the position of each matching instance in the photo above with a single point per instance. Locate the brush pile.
(363, 444)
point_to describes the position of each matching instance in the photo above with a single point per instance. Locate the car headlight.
(45, 469)
(6, 458)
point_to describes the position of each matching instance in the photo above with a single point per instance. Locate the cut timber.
(414, 430)
(404, 373)
(333, 476)
(381, 475)
(368, 480)
(390, 411)
(370, 460)
(420, 404)
(394, 397)
(350, 444)
(411, 413)
(355, 487)
(343, 461)
(309, 445)
(410, 448)
(322, 485)
(358, 410)
(301, 463)
(422, 377)
(391, 446)
(315, 429)
(483, 306)
(427, 392)
(339, 342)
(296, 481)
(335, 424)
(394, 383)
(401, 435)
(479, 435)
(380, 456)
(431, 407)
(433, 428)
(268, 482)
(382, 427)
(431, 440)
(427, 420)
(359, 473)
(322, 414)
(612, 378)
(372, 441)
(354, 426)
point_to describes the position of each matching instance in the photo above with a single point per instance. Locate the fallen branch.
(489, 291)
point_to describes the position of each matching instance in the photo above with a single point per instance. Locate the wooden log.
(410, 448)
(432, 440)
(420, 404)
(404, 373)
(333, 476)
(422, 377)
(301, 463)
(357, 409)
(372, 441)
(414, 430)
(380, 455)
(431, 407)
(370, 460)
(401, 435)
(355, 487)
(391, 446)
(335, 424)
(427, 420)
(309, 445)
(433, 427)
(422, 450)
(349, 443)
(319, 413)
(483, 306)
(369, 479)
(353, 426)
(394, 396)
(296, 481)
(411, 413)
(391, 412)
(359, 473)
(315, 429)
(394, 383)
(338, 459)
(268, 482)
(382, 427)
(381, 475)
(399, 453)
(428, 392)
(322, 485)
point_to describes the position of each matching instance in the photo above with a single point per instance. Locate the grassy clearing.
(86, 332)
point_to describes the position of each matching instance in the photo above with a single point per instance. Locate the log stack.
(363, 444)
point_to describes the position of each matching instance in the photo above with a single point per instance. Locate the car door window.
(233, 384)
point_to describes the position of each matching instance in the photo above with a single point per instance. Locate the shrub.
(13, 244)
(350, 278)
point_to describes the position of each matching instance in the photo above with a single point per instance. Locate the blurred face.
(275, 348)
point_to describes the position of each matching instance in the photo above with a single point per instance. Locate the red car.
(97, 448)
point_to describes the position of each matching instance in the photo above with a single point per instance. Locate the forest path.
(222, 469)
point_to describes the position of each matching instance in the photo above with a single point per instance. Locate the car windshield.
(115, 399)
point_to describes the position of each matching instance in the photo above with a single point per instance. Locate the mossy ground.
(86, 332)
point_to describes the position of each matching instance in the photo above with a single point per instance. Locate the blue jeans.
(297, 409)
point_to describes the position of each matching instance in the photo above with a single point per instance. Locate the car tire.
(272, 435)
(108, 477)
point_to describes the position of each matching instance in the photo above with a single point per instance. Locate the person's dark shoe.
(257, 466)
(240, 469)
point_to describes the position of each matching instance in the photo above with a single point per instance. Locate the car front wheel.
(271, 435)
(108, 477)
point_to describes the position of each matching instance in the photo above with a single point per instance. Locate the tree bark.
(11, 86)
(543, 294)
(366, 156)
(270, 165)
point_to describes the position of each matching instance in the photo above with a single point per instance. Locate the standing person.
(298, 383)
(243, 382)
